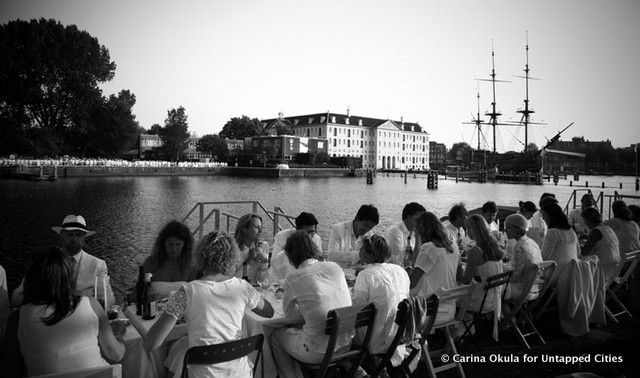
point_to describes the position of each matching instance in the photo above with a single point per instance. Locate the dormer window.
(322, 119)
(310, 120)
(346, 121)
(333, 119)
(295, 121)
(412, 128)
(359, 122)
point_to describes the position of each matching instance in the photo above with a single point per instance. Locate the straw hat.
(74, 223)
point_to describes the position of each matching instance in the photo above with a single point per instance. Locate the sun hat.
(517, 220)
(73, 223)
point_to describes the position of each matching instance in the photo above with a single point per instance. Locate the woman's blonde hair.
(429, 228)
(479, 228)
(218, 253)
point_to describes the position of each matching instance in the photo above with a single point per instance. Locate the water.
(128, 212)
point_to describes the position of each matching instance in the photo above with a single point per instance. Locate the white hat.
(74, 223)
(517, 220)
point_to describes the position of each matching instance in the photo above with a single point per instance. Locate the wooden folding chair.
(214, 354)
(628, 267)
(513, 309)
(340, 321)
(403, 317)
(545, 272)
(463, 295)
(491, 282)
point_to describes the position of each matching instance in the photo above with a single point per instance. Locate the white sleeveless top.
(70, 344)
(607, 251)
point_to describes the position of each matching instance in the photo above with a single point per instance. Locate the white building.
(382, 143)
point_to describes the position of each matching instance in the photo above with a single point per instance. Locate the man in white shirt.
(458, 216)
(575, 216)
(490, 213)
(347, 236)
(280, 264)
(400, 236)
(85, 266)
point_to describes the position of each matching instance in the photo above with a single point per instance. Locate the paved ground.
(608, 344)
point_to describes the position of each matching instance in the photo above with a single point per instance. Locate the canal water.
(128, 212)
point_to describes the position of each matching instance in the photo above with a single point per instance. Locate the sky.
(382, 59)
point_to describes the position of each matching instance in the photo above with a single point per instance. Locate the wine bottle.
(139, 289)
(148, 299)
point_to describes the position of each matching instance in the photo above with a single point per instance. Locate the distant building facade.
(381, 143)
(286, 146)
(147, 142)
(437, 155)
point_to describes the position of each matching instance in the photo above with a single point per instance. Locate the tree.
(240, 128)
(154, 129)
(215, 146)
(175, 134)
(532, 147)
(49, 76)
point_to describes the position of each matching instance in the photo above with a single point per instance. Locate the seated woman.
(483, 260)
(601, 242)
(57, 331)
(385, 285)
(171, 261)
(436, 262)
(626, 230)
(310, 291)
(254, 254)
(213, 307)
(526, 253)
(560, 243)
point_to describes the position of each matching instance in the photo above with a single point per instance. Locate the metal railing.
(599, 200)
(223, 219)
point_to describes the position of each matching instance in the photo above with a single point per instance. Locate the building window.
(335, 131)
(319, 131)
(308, 133)
(348, 133)
(335, 143)
(348, 143)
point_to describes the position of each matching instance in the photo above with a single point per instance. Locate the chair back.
(546, 274)
(629, 264)
(529, 278)
(112, 371)
(214, 354)
(344, 320)
(462, 293)
(493, 282)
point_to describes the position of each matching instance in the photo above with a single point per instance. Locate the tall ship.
(486, 164)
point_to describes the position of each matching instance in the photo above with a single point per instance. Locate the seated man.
(347, 236)
(86, 267)
(280, 264)
(401, 236)
(454, 226)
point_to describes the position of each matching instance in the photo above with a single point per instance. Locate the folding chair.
(340, 321)
(547, 292)
(404, 335)
(514, 306)
(460, 293)
(627, 269)
(214, 354)
(492, 282)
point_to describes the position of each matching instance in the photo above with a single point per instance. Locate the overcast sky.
(383, 59)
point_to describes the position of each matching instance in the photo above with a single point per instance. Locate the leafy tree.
(457, 146)
(175, 133)
(49, 78)
(240, 128)
(284, 129)
(154, 129)
(532, 147)
(215, 146)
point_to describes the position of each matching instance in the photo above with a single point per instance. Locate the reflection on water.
(128, 212)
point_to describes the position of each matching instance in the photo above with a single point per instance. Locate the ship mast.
(494, 114)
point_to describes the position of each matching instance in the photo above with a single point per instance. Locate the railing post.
(255, 207)
(201, 220)
(216, 219)
(228, 226)
(275, 222)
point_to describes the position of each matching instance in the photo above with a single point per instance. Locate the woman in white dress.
(483, 260)
(213, 307)
(626, 229)
(560, 242)
(254, 254)
(601, 242)
(57, 331)
(436, 262)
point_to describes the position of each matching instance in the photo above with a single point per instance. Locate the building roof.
(325, 118)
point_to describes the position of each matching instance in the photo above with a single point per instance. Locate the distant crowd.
(74, 162)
